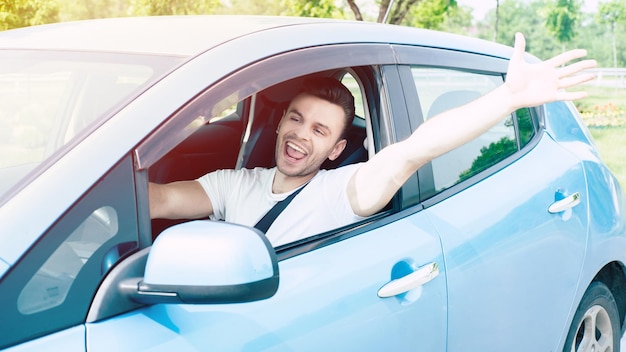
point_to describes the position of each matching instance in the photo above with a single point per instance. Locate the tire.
(596, 324)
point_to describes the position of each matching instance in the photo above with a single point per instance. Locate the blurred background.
(550, 27)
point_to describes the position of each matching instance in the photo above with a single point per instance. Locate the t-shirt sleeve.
(216, 184)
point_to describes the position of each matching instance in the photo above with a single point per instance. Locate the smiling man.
(311, 131)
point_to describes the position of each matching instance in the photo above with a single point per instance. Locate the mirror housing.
(204, 262)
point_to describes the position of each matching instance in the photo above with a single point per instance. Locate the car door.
(327, 300)
(330, 295)
(513, 254)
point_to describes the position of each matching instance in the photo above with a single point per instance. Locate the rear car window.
(443, 89)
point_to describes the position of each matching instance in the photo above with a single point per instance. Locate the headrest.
(450, 100)
(284, 92)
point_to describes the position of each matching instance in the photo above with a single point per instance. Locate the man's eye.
(319, 131)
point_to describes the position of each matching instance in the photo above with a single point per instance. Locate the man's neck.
(283, 183)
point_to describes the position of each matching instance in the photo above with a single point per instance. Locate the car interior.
(245, 138)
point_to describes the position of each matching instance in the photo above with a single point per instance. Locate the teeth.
(295, 147)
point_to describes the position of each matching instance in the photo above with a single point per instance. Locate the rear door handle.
(410, 281)
(565, 203)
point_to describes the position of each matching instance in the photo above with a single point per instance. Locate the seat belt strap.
(266, 221)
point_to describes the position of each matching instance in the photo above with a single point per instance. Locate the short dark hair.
(334, 92)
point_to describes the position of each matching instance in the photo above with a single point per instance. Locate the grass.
(611, 143)
(604, 112)
(601, 96)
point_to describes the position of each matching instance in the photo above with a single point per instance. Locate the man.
(311, 131)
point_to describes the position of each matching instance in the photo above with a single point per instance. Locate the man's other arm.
(179, 200)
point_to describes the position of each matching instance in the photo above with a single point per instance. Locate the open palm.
(546, 81)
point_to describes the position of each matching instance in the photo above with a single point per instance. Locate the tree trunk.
(399, 10)
(495, 31)
(355, 9)
(614, 45)
(382, 10)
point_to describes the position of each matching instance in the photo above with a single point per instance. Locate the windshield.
(48, 99)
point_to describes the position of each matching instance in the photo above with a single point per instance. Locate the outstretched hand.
(546, 81)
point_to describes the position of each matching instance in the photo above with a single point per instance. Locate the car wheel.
(596, 324)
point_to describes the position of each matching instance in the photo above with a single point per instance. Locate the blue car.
(512, 242)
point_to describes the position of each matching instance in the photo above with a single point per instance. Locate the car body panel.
(606, 207)
(327, 298)
(493, 248)
(70, 340)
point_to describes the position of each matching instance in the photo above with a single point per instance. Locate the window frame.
(458, 61)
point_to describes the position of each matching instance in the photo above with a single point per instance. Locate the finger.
(566, 57)
(576, 80)
(577, 67)
(519, 47)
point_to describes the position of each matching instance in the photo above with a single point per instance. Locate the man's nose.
(303, 132)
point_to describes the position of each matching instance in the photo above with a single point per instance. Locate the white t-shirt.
(245, 196)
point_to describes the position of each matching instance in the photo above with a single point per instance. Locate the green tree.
(523, 16)
(172, 7)
(593, 36)
(23, 13)
(311, 8)
(458, 19)
(429, 14)
(562, 19)
(397, 11)
(612, 13)
(82, 10)
(252, 7)
(497, 21)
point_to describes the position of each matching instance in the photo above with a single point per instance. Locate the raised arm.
(526, 85)
(178, 200)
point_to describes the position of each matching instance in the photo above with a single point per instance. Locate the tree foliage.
(547, 24)
(22, 13)
(173, 7)
(429, 14)
(81, 10)
(562, 18)
(405, 11)
(252, 7)
(612, 13)
(521, 16)
(312, 8)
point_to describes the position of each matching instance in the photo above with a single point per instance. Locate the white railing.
(610, 77)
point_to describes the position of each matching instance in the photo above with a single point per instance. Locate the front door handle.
(410, 281)
(565, 203)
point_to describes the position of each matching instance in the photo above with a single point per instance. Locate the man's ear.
(337, 149)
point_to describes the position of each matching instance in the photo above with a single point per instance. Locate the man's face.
(308, 134)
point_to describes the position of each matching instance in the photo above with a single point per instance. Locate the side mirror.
(203, 262)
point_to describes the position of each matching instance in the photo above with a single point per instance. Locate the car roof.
(191, 35)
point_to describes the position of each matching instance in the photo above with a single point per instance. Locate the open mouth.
(294, 151)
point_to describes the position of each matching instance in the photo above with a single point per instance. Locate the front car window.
(53, 285)
(49, 287)
(49, 99)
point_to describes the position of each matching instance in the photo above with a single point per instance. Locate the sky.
(481, 7)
